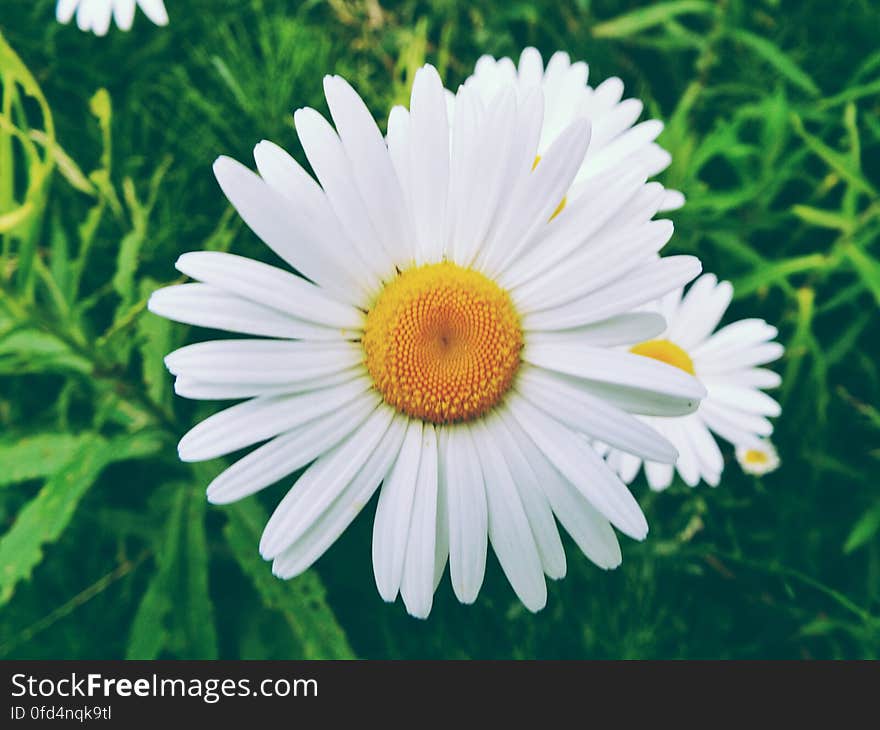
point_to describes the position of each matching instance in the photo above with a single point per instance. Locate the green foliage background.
(108, 546)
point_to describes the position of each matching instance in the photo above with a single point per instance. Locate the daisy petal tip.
(224, 167)
(536, 606)
(153, 302)
(420, 612)
(187, 454)
(214, 497)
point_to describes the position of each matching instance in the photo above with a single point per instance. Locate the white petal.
(441, 546)
(206, 306)
(534, 500)
(531, 67)
(740, 429)
(333, 169)
(700, 311)
(155, 11)
(323, 482)
(572, 229)
(589, 529)
(642, 285)
(324, 530)
(509, 530)
(65, 9)
(512, 135)
(286, 228)
(271, 287)
(659, 475)
(620, 252)
(576, 460)
(429, 162)
(196, 389)
(622, 329)
(735, 360)
(373, 171)
(706, 448)
(592, 416)
(742, 398)
(123, 12)
(542, 193)
(483, 145)
(101, 16)
(285, 454)
(393, 515)
(753, 378)
(643, 375)
(309, 203)
(626, 145)
(263, 362)
(672, 200)
(735, 338)
(397, 139)
(688, 463)
(417, 583)
(262, 418)
(467, 513)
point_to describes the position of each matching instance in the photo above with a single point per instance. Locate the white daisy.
(440, 337)
(726, 362)
(95, 15)
(758, 458)
(615, 144)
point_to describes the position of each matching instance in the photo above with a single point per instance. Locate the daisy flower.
(726, 362)
(616, 143)
(439, 338)
(95, 15)
(758, 458)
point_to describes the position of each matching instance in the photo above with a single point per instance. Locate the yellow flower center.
(442, 343)
(665, 351)
(753, 456)
(562, 202)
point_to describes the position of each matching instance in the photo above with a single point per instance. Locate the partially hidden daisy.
(727, 363)
(758, 458)
(439, 338)
(617, 142)
(95, 15)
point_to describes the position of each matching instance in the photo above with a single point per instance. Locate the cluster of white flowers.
(476, 313)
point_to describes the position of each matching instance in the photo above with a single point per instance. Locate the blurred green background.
(108, 546)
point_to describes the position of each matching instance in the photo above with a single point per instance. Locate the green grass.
(108, 546)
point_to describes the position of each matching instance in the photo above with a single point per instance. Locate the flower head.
(758, 458)
(441, 338)
(95, 15)
(617, 142)
(727, 363)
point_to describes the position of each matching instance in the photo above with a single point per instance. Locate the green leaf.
(777, 58)
(148, 633)
(823, 218)
(35, 351)
(867, 267)
(14, 218)
(864, 530)
(773, 273)
(301, 601)
(643, 18)
(156, 340)
(838, 162)
(43, 519)
(198, 611)
(40, 455)
(65, 163)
